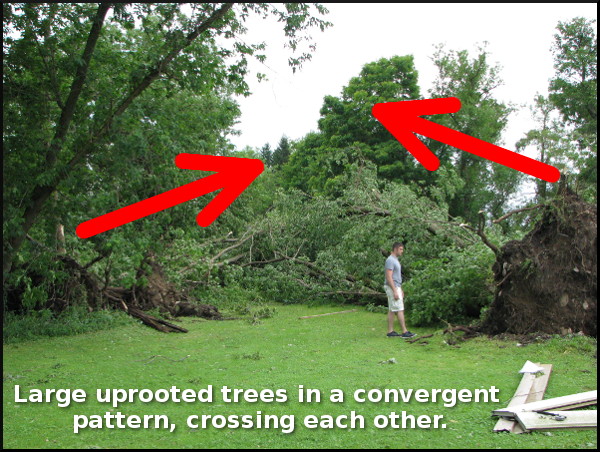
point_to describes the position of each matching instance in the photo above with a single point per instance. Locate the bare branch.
(525, 209)
(229, 248)
(480, 233)
(96, 259)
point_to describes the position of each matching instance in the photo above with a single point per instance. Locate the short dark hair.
(396, 245)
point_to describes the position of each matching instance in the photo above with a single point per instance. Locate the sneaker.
(392, 334)
(407, 335)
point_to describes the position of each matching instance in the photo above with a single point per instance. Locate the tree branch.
(229, 248)
(96, 259)
(53, 8)
(269, 261)
(525, 209)
(480, 233)
(158, 69)
(77, 85)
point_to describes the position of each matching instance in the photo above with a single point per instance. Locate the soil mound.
(547, 282)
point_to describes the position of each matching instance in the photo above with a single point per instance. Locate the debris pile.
(156, 294)
(527, 411)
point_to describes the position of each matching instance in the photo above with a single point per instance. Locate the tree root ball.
(547, 282)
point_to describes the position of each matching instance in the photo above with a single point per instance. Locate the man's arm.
(390, 281)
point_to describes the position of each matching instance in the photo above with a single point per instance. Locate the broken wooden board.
(329, 313)
(531, 389)
(582, 419)
(540, 384)
(565, 402)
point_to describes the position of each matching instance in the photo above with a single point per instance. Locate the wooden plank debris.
(531, 389)
(329, 313)
(540, 384)
(520, 397)
(565, 402)
(582, 419)
(527, 410)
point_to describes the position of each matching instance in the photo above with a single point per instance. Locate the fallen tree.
(547, 282)
(156, 294)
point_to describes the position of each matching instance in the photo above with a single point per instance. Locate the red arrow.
(402, 120)
(233, 176)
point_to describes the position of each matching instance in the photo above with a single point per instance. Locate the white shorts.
(393, 304)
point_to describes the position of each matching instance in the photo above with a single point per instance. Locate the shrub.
(454, 287)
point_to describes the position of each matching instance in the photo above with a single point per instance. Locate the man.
(395, 294)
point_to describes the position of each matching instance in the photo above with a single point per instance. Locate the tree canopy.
(567, 136)
(78, 77)
(100, 98)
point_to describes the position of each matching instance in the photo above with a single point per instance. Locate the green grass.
(346, 351)
(42, 324)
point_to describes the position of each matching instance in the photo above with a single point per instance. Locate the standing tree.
(348, 131)
(266, 155)
(551, 140)
(574, 90)
(71, 71)
(282, 152)
(473, 80)
(348, 120)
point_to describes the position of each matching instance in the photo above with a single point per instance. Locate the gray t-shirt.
(392, 263)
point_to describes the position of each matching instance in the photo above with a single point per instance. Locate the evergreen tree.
(266, 155)
(282, 152)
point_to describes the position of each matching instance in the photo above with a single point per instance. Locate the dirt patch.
(547, 282)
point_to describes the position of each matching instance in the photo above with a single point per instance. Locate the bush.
(455, 286)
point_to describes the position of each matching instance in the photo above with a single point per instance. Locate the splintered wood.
(528, 411)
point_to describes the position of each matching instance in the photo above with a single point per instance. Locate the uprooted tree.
(152, 292)
(547, 282)
(98, 99)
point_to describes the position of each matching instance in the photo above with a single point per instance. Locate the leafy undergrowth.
(347, 352)
(38, 325)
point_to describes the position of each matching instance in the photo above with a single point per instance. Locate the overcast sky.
(520, 37)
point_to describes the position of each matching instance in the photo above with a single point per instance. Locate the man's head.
(397, 248)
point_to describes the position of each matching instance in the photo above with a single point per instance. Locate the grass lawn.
(346, 351)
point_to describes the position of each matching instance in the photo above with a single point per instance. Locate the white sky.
(520, 37)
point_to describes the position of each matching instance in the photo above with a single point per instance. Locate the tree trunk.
(40, 194)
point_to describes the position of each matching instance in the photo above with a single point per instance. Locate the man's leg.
(391, 301)
(401, 320)
(390, 321)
